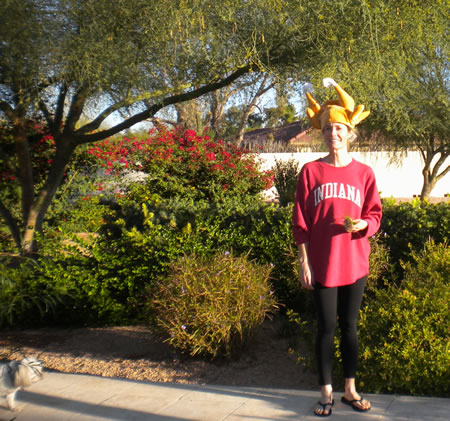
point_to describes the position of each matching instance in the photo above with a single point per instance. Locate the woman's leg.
(349, 303)
(326, 306)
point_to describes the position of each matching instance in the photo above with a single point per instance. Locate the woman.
(337, 209)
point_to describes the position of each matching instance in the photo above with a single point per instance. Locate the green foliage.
(211, 306)
(408, 226)
(201, 227)
(404, 330)
(26, 297)
(285, 180)
(381, 268)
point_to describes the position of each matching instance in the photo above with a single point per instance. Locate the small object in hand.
(348, 223)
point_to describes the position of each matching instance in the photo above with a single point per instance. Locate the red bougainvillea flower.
(171, 148)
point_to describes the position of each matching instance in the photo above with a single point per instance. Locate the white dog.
(18, 374)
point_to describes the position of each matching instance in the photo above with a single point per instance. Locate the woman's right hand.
(306, 275)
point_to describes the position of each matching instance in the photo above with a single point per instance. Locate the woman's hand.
(306, 275)
(355, 225)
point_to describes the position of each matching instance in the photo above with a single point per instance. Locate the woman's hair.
(353, 134)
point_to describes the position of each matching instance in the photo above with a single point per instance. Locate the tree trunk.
(428, 185)
(36, 214)
(24, 162)
(431, 174)
(12, 225)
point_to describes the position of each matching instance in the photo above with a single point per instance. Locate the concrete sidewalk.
(61, 397)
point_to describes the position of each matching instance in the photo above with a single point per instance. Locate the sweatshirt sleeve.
(300, 219)
(371, 210)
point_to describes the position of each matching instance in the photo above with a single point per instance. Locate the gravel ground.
(133, 353)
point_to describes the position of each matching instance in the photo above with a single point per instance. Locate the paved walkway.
(61, 397)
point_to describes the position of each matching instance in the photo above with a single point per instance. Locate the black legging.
(339, 303)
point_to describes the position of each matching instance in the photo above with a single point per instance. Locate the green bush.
(211, 306)
(112, 273)
(197, 227)
(26, 297)
(285, 180)
(404, 329)
(409, 225)
(381, 268)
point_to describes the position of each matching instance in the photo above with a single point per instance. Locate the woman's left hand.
(355, 225)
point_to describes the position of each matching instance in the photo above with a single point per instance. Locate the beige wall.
(402, 179)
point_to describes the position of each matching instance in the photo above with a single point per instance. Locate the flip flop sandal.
(325, 407)
(354, 404)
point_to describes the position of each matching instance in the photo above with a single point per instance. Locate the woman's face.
(336, 135)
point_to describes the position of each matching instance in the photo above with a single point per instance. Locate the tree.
(413, 104)
(262, 84)
(403, 78)
(65, 60)
(284, 112)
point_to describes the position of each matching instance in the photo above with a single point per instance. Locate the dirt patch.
(133, 353)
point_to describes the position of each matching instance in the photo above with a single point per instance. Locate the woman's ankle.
(326, 392)
(350, 389)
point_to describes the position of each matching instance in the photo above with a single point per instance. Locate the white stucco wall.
(402, 179)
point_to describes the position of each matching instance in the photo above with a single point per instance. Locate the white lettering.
(318, 195)
(337, 190)
(350, 193)
(342, 194)
(328, 190)
(358, 198)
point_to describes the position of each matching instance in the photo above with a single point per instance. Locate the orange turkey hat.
(341, 110)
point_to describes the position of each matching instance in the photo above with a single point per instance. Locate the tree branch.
(443, 173)
(76, 108)
(59, 112)
(151, 111)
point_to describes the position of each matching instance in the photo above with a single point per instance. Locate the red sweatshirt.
(325, 196)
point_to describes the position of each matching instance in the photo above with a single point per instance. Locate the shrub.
(27, 298)
(112, 273)
(404, 329)
(285, 180)
(185, 164)
(211, 306)
(242, 224)
(380, 264)
(408, 226)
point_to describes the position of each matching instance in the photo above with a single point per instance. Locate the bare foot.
(323, 408)
(356, 402)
